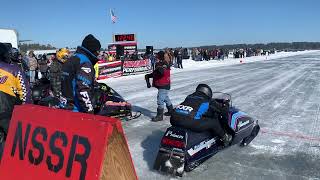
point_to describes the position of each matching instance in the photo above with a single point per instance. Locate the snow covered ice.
(282, 92)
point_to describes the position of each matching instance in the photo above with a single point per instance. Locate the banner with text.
(53, 144)
(110, 69)
(136, 67)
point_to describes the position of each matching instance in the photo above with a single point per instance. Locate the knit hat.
(91, 43)
(160, 55)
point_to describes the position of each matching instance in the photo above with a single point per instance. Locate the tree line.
(35, 46)
(269, 46)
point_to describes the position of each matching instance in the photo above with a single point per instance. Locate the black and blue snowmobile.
(108, 102)
(182, 150)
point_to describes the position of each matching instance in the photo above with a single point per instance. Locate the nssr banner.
(52, 144)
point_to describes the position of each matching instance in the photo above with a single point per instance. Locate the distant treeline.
(36, 46)
(270, 46)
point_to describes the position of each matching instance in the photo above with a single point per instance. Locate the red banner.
(51, 144)
(135, 67)
(110, 69)
(138, 63)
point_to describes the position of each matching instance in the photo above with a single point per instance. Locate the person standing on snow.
(161, 81)
(153, 61)
(78, 76)
(175, 60)
(179, 59)
(33, 66)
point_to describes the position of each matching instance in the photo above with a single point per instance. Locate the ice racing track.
(283, 94)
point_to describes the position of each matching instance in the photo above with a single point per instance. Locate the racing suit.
(198, 113)
(78, 77)
(14, 90)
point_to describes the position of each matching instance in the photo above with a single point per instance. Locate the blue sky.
(164, 23)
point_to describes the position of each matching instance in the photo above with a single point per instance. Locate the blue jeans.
(32, 76)
(163, 97)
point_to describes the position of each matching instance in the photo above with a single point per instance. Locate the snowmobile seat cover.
(196, 137)
(234, 117)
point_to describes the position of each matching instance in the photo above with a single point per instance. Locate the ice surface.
(283, 93)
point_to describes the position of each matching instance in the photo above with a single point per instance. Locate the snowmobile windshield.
(222, 97)
(107, 89)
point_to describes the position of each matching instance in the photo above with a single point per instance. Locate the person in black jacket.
(78, 76)
(43, 66)
(199, 113)
(56, 70)
(179, 59)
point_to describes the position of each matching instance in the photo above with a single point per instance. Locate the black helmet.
(205, 89)
(14, 55)
(4, 52)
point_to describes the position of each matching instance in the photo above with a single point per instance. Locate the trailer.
(9, 36)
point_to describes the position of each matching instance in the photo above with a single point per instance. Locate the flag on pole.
(113, 17)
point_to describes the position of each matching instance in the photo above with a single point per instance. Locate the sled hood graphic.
(204, 144)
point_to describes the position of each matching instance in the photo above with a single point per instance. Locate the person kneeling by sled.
(78, 76)
(14, 89)
(199, 112)
(161, 81)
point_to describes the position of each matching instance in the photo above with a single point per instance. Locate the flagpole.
(112, 29)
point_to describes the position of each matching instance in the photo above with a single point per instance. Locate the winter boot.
(227, 138)
(170, 110)
(159, 116)
(146, 77)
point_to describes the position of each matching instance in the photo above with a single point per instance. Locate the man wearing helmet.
(56, 70)
(14, 88)
(198, 112)
(78, 76)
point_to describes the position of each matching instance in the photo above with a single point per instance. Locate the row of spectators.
(205, 54)
(199, 54)
(39, 65)
(248, 52)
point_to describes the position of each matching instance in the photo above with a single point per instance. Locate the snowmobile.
(182, 150)
(107, 101)
(110, 103)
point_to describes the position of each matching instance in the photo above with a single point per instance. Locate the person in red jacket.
(161, 81)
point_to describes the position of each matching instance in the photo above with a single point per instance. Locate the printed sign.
(135, 67)
(110, 69)
(51, 144)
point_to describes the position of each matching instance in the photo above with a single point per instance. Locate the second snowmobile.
(108, 102)
(181, 150)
